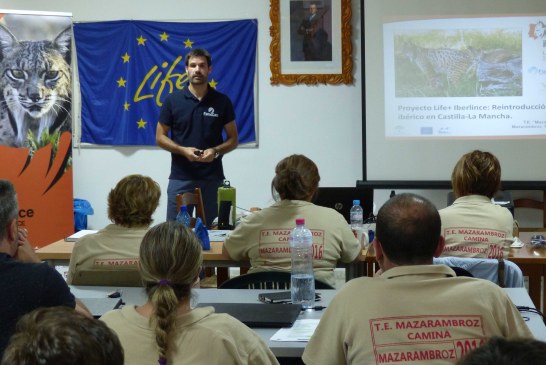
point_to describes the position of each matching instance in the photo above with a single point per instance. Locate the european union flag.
(127, 68)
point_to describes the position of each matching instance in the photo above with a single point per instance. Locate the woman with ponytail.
(166, 330)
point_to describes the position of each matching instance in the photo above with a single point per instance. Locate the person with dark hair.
(263, 236)
(414, 311)
(473, 226)
(500, 351)
(131, 204)
(166, 329)
(26, 282)
(195, 117)
(61, 336)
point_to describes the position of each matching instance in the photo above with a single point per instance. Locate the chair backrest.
(502, 272)
(265, 280)
(533, 204)
(107, 278)
(194, 200)
(459, 271)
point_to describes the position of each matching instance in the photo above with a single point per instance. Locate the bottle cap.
(184, 208)
(300, 221)
(356, 202)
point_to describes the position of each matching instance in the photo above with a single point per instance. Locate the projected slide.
(465, 77)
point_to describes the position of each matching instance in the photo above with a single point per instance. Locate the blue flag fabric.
(127, 68)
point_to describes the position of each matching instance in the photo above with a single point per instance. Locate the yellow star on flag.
(141, 123)
(141, 40)
(188, 43)
(126, 57)
(126, 106)
(164, 37)
(121, 82)
(213, 83)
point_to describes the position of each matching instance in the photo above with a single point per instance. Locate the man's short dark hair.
(199, 52)
(62, 336)
(500, 351)
(8, 205)
(408, 228)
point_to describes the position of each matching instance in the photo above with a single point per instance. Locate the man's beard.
(198, 79)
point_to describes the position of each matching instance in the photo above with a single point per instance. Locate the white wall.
(322, 122)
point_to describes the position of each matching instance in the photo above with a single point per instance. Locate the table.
(531, 260)
(59, 252)
(134, 296)
(520, 297)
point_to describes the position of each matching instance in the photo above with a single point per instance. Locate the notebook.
(258, 314)
(341, 199)
(84, 232)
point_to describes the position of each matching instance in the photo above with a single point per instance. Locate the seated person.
(500, 351)
(166, 327)
(25, 281)
(413, 312)
(473, 226)
(61, 336)
(262, 237)
(131, 205)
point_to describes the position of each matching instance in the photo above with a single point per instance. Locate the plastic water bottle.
(303, 277)
(183, 216)
(356, 215)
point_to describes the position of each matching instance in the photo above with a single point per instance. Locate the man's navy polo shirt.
(196, 124)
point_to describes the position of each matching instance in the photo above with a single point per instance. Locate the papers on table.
(218, 235)
(301, 331)
(517, 243)
(79, 234)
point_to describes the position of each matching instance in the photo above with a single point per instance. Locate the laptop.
(341, 199)
(99, 306)
(259, 314)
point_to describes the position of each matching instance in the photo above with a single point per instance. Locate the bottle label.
(357, 216)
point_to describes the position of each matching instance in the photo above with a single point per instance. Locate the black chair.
(505, 273)
(265, 280)
(459, 271)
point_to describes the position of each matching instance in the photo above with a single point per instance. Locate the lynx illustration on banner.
(36, 89)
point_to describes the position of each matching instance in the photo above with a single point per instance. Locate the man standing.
(25, 282)
(413, 312)
(195, 118)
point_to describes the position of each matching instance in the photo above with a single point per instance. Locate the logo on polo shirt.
(210, 113)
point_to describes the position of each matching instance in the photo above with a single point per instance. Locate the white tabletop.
(133, 296)
(520, 297)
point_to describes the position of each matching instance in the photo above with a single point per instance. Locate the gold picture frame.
(291, 64)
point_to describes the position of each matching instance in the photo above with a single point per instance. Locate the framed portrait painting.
(311, 42)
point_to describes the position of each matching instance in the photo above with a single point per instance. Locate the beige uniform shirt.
(203, 337)
(413, 315)
(475, 227)
(111, 247)
(263, 237)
